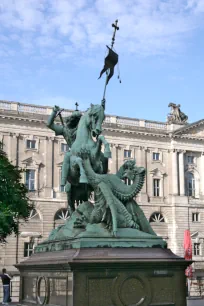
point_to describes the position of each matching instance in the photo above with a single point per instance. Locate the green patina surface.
(115, 219)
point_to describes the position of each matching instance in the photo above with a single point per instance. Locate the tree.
(14, 203)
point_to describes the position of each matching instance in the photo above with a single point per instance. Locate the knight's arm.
(50, 122)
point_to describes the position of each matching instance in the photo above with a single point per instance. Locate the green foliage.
(14, 203)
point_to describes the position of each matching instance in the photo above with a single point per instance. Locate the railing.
(44, 110)
(24, 108)
(5, 105)
(129, 122)
(155, 125)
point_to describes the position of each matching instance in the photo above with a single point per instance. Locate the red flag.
(187, 244)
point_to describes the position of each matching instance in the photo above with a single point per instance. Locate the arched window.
(34, 215)
(61, 216)
(190, 184)
(157, 217)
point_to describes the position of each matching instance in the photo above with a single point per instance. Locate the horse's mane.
(95, 108)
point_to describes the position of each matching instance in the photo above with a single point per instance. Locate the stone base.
(104, 277)
(96, 235)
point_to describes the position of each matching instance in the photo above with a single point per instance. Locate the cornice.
(137, 132)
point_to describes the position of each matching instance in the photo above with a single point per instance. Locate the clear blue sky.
(52, 52)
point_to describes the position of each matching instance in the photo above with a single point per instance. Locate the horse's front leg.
(107, 151)
(78, 161)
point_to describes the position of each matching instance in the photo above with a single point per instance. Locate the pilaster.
(181, 173)
(202, 174)
(174, 172)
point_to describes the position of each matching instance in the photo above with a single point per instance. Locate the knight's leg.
(70, 202)
(65, 168)
(107, 151)
(83, 178)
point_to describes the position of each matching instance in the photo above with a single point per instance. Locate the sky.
(52, 51)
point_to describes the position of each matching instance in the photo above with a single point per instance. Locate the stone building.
(172, 196)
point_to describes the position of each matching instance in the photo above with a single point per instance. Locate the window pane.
(127, 153)
(25, 249)
(156, 156)
(156, 183)
(127, 181)
(64, 147)
(196, 248)
(31, 144)
(32, 174)
(191, 159)
(30, 179)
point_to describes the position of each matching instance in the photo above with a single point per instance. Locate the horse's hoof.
(107, 154)
(83, 180)
(114, 234)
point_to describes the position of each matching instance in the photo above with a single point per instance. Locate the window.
(30, 179)
(196, 249)
(64, 147)
(62, 188)
(195, 217)
(191, 159)
(156, 156)
(156, 217)
(60, 217)
(31, 144)
(156, 183)
(28, 249)
(127, 181)
(34, 215)
(62, 214)
(127, 153)
(190, 185)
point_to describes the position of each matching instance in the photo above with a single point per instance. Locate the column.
(113, 160)
(174, 173)
(48, 154)
(202, 173)
(142, 163)
(181, 173)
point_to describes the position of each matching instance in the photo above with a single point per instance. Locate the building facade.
(172, 197)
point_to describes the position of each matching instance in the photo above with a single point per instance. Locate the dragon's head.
(129, 170)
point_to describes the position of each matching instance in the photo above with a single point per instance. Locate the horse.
(88, 137)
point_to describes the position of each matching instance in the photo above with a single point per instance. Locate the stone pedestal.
(104, 277)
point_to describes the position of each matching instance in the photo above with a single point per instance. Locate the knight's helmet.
(76, 114)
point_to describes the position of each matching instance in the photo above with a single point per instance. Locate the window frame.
(127, 181)
(156, 189)
(158, 217)
(197, 217)
(197, 250)
(191, 191)
(29, 250)
(127, 151)
(30, 141)
(193, 159)
(63, 144)
(30, 179)
(156, 154)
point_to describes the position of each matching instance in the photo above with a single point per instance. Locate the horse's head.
(96, 118)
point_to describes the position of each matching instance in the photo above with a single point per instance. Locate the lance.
(60, 115)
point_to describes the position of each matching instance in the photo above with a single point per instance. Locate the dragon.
(114, 200)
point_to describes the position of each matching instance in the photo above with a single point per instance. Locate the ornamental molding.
(31, 162)
(157, 172)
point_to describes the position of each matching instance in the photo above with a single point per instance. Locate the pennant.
(110, 61)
